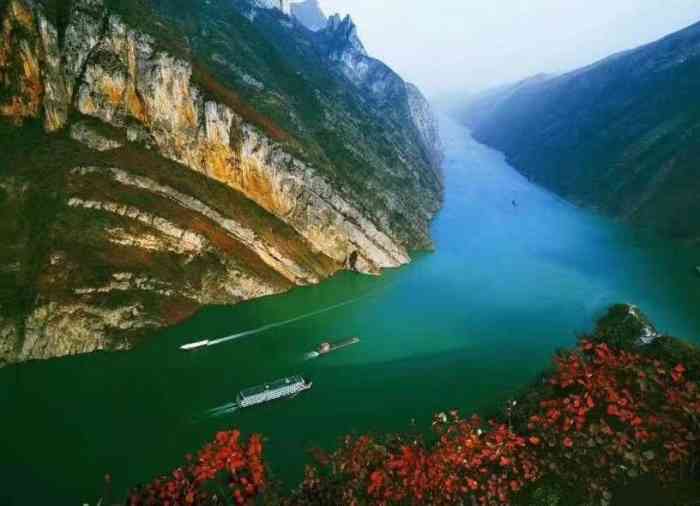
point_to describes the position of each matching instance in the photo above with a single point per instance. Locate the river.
(464, 327)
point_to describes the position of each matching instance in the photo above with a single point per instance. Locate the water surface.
(466, 326)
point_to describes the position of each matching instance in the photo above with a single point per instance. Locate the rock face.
(154, 183)
(424, 118)
(282, 5)
(81, 132)
(342, 46)
(620, 135)
(310, 14)
(626, 326)
(377, 81)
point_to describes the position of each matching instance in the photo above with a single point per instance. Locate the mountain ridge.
(310, 14)
(618, 135)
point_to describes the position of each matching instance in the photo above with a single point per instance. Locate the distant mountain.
(481, 106)
(310, 14)
(621, 135)
(157, 156)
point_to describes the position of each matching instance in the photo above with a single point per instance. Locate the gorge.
(155, 164)
(196, 194)
(619, 135)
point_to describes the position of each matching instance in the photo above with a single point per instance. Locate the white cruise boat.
(285, 387)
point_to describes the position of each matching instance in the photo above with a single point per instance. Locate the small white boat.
(194, 346)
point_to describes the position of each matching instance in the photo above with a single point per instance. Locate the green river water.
(466, 326)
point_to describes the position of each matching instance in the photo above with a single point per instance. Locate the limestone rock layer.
(141, 184)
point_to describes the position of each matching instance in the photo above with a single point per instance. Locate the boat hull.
(194, 346)
(271, 392)
(338, 345)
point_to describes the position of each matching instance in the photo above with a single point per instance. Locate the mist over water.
(464, 327)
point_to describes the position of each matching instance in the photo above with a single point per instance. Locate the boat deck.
(275, 385)
(285, 387)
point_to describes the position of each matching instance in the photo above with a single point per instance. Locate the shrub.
(617, 415)
(225, 471)
(610, 413)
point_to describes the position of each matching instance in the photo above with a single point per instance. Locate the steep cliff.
(386, 90)
(159, 156)
(427, 125)
(620, 135)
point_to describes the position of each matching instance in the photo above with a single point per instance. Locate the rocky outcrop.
(647, 331)
(626, 326)
(83, 133)
(188, 241)
(343, 47)
(309, 14)
(269, 253)
(341, 43)
(20, 65)
(57, 330)
(8, 340)
(174, 193)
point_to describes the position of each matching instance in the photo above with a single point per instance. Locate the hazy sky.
(454, 45)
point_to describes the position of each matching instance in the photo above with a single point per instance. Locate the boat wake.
(311, 355)
(224, 409)
(269, 326)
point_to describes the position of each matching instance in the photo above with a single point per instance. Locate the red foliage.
(614, 414)
(224, 471)
(466, 461)
(617, 415)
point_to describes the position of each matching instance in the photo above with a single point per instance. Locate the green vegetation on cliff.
(620, 135)
(162, 155)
